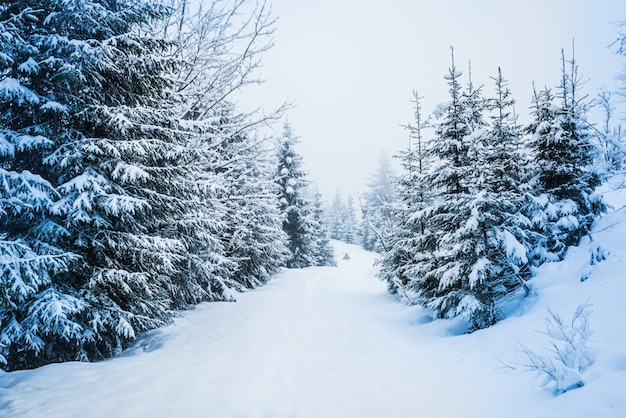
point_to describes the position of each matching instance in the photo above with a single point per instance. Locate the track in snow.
(311, 342)
(330, 342)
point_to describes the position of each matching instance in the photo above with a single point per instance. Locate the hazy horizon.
(350, 67)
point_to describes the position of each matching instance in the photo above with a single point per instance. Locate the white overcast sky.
(350, 66)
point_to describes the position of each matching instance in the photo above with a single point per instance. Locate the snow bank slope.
(329, 342)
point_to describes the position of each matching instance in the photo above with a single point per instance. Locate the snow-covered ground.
(330, 342)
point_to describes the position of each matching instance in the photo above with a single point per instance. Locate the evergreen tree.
(324, 253)
(439, 275)
(85, 102)
(349, 225)
(254, 239)
(497, 263)
(126, 193)
(539, 206)
(563, 204)
(306, 242)
(376, 206)
(457, 251)
(334, 219)
(235, 238)
(428, 259)
(409, 233)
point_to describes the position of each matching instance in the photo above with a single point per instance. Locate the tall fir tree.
(563, 204)
(254, 238)
(89, 90)
(235, 237)
(457, 248)
(409, 235)
(334, 217)
(306, 243)
(123, 190)
(439, 276)
(427, 260)
(349, 224)
(324, 252)
(496, 263)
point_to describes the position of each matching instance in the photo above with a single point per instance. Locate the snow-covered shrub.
(568, 355)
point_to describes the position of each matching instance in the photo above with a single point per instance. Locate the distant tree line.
(368, 219)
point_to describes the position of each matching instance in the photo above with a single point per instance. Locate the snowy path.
(319, 342)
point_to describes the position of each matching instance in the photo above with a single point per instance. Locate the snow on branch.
(568, 356)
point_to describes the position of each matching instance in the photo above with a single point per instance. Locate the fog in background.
(350, 67)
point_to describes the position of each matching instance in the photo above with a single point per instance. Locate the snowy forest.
(153, 214)
(486, 200)
(483, 200)
(132, 186)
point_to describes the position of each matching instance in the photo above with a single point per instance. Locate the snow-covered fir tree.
(236, 237)
(376, 205)
(448, 279)
(456, 248)
(334, 214)
(102, 151)
(324, 252)
(494, 260)
(254, 238)
(136, 196)
(404, 243)
(424, 262)
(439, 276)
(31, 251)
(349, 224)
(301, 218)
(563, 203)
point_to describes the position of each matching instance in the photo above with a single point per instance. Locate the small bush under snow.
(568, 356)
